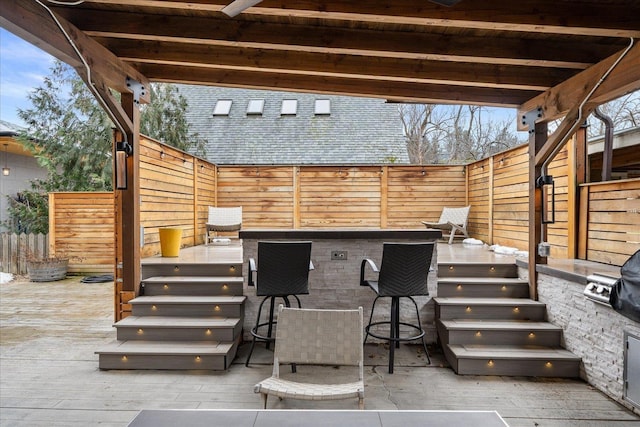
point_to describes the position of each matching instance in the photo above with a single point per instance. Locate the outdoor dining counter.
(335, 280)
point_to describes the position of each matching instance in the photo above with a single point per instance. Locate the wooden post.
(130, 226)
(195, 200)
(384, 196)
(537, 139)
(581, 176)
(491, 197)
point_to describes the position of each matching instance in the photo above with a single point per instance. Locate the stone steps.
(187, 305)
(475, 287)
(487, 325)
(192, 285)
(174, 355)
(160, 328)
(499, 332)
(489, 308)
(514, 361)
(189, 317)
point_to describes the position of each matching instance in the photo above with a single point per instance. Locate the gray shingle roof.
(358, 130)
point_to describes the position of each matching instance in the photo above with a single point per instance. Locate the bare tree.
(624, 112)
(453, 134)
(424, 130)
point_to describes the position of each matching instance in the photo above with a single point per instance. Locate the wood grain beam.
(396, 91)
(32, 22)
(558, 100)
(392, 69)
(409, 43)
(538, 16)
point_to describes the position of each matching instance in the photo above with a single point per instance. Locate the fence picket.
(14, 249)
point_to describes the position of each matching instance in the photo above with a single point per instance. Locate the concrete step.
(192, 285)
(528, 361)
(175, 355)
(498, 332)
(188, 306)
(227, 269)
(489, 308)
(481, 287)
(477, 269)
(161, 328)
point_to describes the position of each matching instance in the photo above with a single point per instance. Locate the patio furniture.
(452, 219)
(403, 274)
(222, 219)
(317, 337)
(282, 271)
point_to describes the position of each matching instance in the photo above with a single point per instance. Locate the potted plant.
(46, 268)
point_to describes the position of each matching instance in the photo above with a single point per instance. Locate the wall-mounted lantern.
(547, 186)
(123, 150)
(5, 170)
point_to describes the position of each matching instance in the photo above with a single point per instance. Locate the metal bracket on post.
(137, 88)
(530, 118)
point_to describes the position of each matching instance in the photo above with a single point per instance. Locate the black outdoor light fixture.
(5, 170)
(123, 150)
(547, 186)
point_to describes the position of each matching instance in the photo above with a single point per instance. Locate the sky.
(22, 68)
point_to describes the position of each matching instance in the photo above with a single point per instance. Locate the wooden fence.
(16, 248)
(177, 188)
(610, 222)
(81, 227)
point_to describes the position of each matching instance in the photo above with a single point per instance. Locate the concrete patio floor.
(49, 374)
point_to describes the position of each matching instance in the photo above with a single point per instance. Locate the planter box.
(47, 270)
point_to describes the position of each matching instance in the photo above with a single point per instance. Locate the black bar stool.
(403, 274)
(282, 271)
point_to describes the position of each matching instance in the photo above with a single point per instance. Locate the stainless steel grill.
(598, 287)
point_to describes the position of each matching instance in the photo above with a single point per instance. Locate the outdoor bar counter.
(335, 283)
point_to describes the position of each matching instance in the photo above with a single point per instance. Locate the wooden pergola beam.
(539, 16)
(392, 90)
(33, 23)
(326, 64)
(557, 101)
(396, 43)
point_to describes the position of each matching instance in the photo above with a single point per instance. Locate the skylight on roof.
(323, 107)
(222, 108)
(289, 107)
(255, 106)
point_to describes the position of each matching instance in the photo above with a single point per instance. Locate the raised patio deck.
(49, 373)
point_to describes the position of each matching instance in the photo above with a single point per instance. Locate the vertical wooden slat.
(296, 196)
(583, 223)
(196, 199)
(491, 196)
(52, 224)
(572, 216)
(384, 196)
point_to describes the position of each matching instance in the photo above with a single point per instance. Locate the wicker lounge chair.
(222, 219)
(452, 219)
(316, 337)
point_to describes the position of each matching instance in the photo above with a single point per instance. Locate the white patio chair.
(452, 219)
(316, 337)
(222, 219)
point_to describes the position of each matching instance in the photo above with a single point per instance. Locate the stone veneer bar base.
(335, 284)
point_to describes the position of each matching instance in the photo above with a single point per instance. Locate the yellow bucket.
(170, 239)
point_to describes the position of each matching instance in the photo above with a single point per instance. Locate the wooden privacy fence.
(610, 223)
(16, 248)
(176, 189)
(81, 227)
